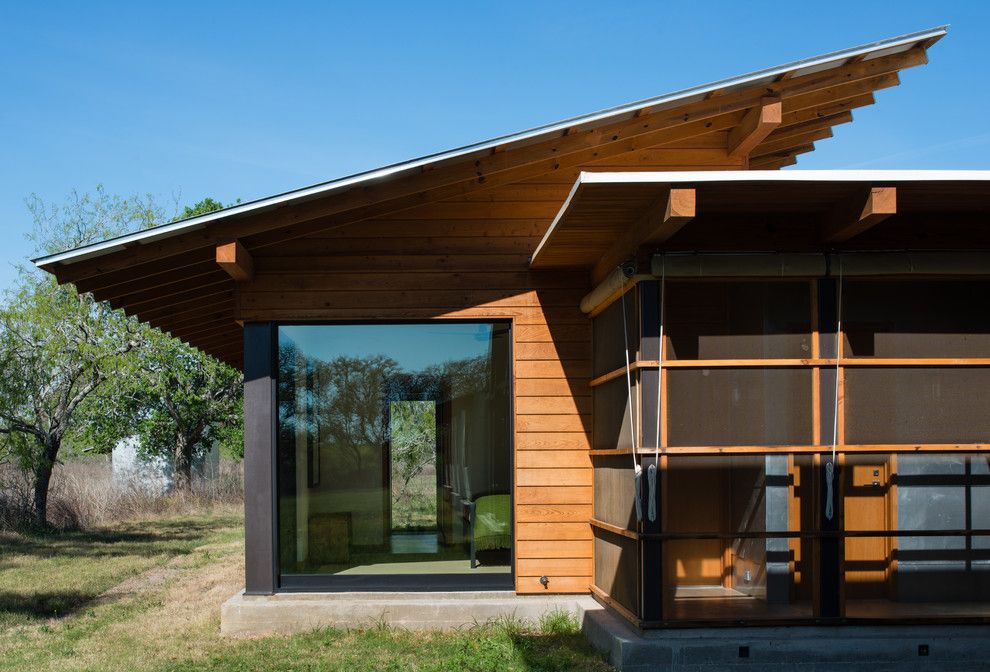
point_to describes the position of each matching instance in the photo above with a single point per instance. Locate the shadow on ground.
(38, 606)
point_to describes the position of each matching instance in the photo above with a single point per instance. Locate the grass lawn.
(147, 596)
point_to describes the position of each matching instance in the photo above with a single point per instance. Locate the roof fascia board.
(698, 177)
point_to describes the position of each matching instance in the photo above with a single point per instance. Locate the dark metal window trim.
(335, 583)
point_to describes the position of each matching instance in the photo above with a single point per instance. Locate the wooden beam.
(236, 260)
(665, 217)
(758, 123)
(864, 213)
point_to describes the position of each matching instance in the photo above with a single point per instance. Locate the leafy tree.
(56, 349)
(59, 348)
(88, 218)
(204, 207)
(178, 402)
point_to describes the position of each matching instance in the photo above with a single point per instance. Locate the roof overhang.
(764, 79)
(177, 277)
(592, 229)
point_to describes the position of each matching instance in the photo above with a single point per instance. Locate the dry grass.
(83, 497)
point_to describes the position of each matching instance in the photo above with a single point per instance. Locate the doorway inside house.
(394, 455)
(414, 472)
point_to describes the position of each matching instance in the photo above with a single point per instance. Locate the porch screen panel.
(608, 338)
(617, 569)
(916, 318)
(738, 319)
(739, 406)
(913, 546)
(727, 552)
(615, 500)
(917, 405)
(612, 427)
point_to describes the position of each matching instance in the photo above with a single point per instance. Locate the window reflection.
(393, 449)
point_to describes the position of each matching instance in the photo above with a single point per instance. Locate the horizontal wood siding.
(468, 258)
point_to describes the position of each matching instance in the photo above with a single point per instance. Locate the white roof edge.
(697, 177)
(167, 230)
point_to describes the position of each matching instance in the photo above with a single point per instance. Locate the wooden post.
(829, 580)
(260, 544)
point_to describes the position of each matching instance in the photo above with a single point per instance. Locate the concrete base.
(287, 613)
(956, 648)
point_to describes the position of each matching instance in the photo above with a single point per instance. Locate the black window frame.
(332, 583)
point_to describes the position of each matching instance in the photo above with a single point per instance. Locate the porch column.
(259, 458)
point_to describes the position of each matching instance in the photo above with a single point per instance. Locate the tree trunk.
(43, 479)
(182, 464)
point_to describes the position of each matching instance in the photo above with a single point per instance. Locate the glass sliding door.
(394, 456)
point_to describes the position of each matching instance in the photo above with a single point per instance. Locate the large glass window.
(394, 454)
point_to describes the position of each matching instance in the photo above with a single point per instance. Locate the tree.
(204, 207)
(57, 348)
(177, 401)
(88, 218)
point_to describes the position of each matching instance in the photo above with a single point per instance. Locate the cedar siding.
(469, 259)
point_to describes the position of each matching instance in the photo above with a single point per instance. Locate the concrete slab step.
(852, 648)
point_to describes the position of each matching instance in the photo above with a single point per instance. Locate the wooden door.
(867, 506)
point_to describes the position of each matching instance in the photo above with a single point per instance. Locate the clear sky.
(243, 100)
(414, 346)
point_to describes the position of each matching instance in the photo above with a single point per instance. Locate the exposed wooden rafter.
(758, 123)
(665, 217)
(236, 260)
(853, 218)
(785, 144)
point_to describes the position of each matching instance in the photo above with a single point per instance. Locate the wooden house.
(455, 366)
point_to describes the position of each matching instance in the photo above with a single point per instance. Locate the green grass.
(492, 647)
(52, 618)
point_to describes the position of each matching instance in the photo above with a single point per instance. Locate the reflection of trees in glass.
(414, 453)
(346, 400)
(349, 413)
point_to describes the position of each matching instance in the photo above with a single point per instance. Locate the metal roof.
(683, 97)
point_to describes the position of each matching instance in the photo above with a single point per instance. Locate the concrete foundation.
(955, 648)
(285, 613)
(908, 648)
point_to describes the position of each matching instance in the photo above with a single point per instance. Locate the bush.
(83, 496)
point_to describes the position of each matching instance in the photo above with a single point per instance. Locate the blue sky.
(242, 100)
(414, 346)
